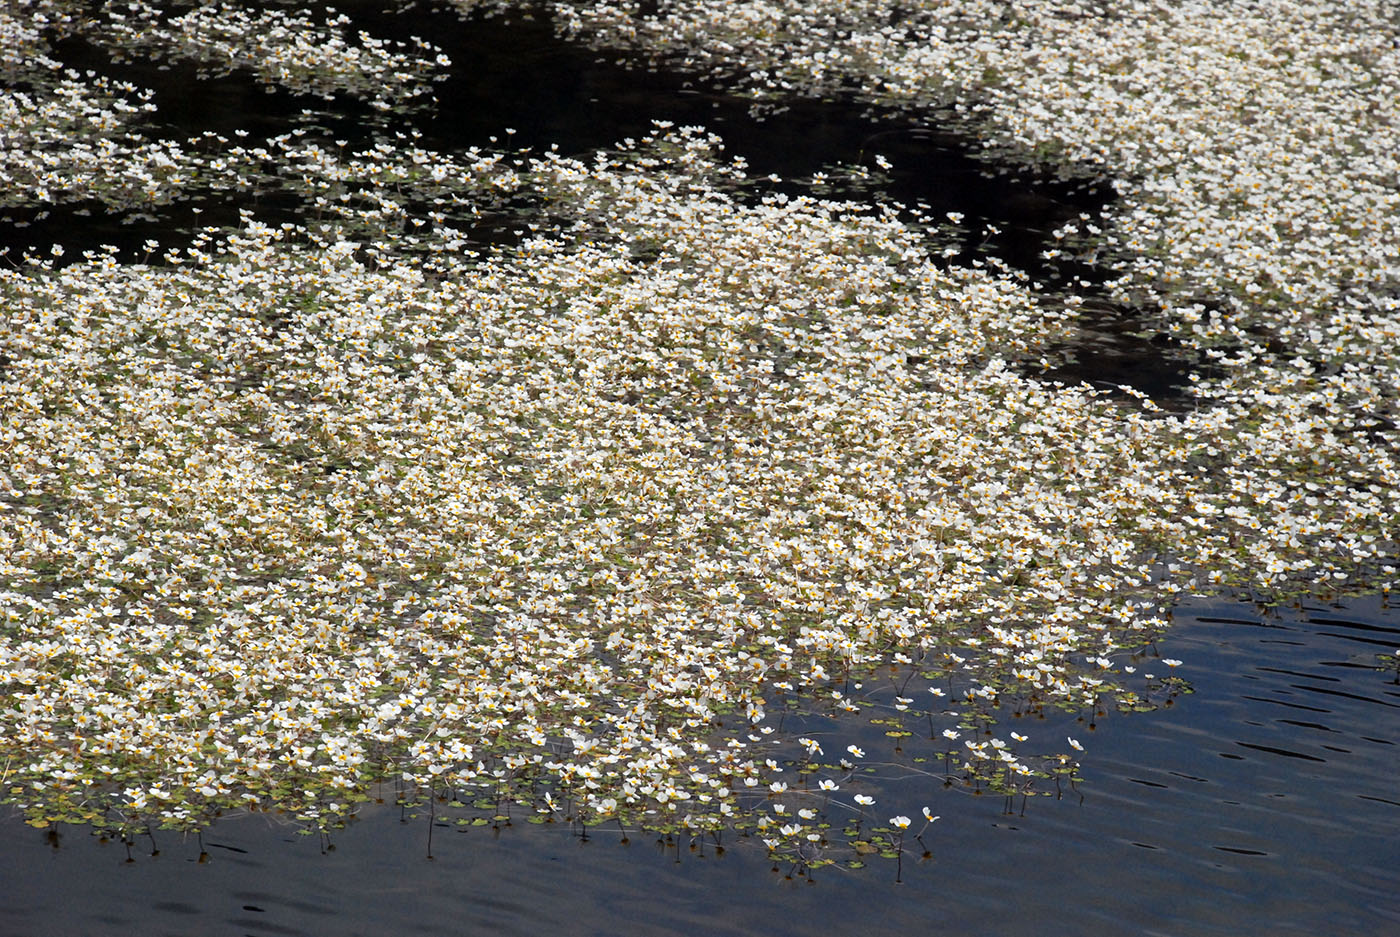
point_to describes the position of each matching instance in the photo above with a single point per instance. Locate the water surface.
(1263, 804)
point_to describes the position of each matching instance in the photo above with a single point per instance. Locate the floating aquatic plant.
(303, 510)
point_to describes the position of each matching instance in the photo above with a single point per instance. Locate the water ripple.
(1220, 817)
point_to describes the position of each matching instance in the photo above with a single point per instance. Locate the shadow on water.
(1263, 804)
(518, 74)
(1112, 347)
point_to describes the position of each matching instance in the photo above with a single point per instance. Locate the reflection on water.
(1263, 804)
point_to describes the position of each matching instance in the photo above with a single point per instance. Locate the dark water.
(518, 75)
(1266, 803)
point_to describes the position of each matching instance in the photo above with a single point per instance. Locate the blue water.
(1265, 803)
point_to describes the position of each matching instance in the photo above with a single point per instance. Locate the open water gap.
(517, 73)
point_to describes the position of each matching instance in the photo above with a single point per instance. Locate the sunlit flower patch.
(287, 49)
(302, 510)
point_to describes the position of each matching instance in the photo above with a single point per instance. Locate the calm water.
(1265, 803)
(517, 75)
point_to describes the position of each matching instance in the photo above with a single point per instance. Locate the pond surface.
(518, 76)
(1263, 804)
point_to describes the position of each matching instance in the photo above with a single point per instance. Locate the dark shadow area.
(518, 74)
(1111, 348)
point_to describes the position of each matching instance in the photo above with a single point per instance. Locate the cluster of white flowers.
(67, 138)
(284, 49)
(72, 138)
(303, 507)
(1256, 173)
(22, 43)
